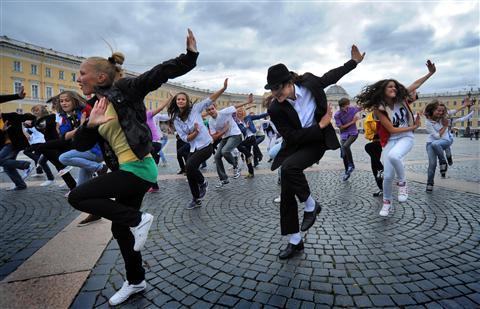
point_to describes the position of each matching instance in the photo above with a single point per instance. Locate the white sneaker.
(402, 193)
(64, 171)
(387, 205)
(236, 173)
(47, 183)
(140, 232)
(126, 291)
(278, 199)
(28, 171)
(67, 194)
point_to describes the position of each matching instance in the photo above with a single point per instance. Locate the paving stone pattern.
(28, 220)
(224, 254)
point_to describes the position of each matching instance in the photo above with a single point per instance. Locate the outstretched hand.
(97, 115)
(356, 54)
(325, 121)
(431, 67)
(225, 84)
(191, 42)
(21, 93)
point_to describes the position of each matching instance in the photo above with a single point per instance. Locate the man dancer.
(223, 126)
(346, 121)
(301, 115)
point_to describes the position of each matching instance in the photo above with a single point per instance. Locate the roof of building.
(337, 90)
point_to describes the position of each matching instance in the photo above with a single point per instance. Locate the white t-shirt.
(224, 116)
(400, 120)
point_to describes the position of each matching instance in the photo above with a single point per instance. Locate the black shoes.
(89, 219)
(310, 217)
(377, 194)
(290, 251)
(450, 161)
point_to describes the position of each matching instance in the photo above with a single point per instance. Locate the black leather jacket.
(127, 95)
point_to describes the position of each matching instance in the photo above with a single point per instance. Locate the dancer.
(187, 119)
(41, 162)
(224, 129)
(346, 121)
(246, 125)
(301, 115)
(13, 141)
(374, 150)
(396, 123)
(117, 123)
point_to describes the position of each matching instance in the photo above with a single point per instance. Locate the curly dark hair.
(430, 109)
(372, 95)
(173, 110)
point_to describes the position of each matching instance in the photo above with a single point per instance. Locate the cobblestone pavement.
(28, 220)
(224, 254)
(230, 236)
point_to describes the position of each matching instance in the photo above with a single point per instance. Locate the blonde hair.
(42, 108)
(112, 66)
(241, 113)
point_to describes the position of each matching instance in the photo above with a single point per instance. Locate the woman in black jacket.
(118, 123)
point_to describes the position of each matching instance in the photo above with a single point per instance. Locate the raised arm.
(162, 105)
(10, 97)
(249, 101)
(169, 69)
(387, 124)
(416, 84)
(467, 103)
(214, 96)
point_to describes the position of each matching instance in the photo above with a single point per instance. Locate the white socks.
(309, 204)
(295, 238)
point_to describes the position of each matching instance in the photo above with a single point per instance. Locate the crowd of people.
(117, 144)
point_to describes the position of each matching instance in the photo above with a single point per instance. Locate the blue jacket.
(68, 125)
(248, 120)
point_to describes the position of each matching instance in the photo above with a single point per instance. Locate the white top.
(224, 116)
(400, 120)
(304, 105)
(183, 128)
(156, 119)
(36, 137)
(433, 128)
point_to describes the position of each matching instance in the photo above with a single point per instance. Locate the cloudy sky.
(240, 40)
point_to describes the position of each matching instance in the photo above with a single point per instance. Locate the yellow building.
(44, 73)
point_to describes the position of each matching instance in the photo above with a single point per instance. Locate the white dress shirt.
(305, 106)
(224, 116)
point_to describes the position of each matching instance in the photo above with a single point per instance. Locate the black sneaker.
(89, 219)
(203, 189)
(450, 161)
(377, 194)
(429, 188)
(194, 204)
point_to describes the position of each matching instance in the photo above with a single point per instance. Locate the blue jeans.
(225, 149)
(435, 150)
(163, 142)
(8, 156)
(87, 161)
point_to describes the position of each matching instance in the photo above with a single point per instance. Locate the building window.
(74, 77)
(34, 91)
(156, 104)
(17, 85)
(48, 72)
(60, 90)
(48, 92)
(17, 66)
(34, 69)
(19, 111)
(150, 105)
(61, 75)
(454, 103)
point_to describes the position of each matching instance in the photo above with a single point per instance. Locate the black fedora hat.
(277, 74)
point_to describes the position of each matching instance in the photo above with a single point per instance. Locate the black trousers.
(183, 150)
(294, 183)
(257, 153)
(347, 152)
(156, 146)
(41, 161)
(194, 176)
(374, 150)
(245, 147)
(52, 155)
(128, 190)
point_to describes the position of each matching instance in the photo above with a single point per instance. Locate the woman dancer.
(389, 100)
(188, 122)
(246, 125)
(374, 150)
(118, 123)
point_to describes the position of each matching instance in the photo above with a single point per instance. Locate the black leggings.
(182, 153)
(52, 156)
(156, 146)
(128, 190)
(374, 150)
(245, 147)
(194, 176)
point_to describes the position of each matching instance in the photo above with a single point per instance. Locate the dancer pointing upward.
(301, 115)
